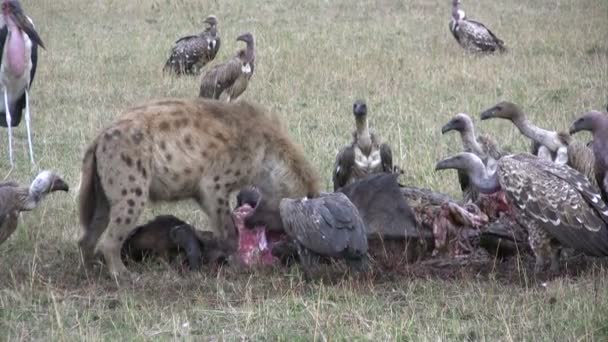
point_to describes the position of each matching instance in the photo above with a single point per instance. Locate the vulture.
(557, 204)
(555, 146)
(233, 75)
(191, 53)
(597, 123)
(483, 146)
(15, 199)
(471, 34)
(167, 236)
(326, 226)
(365, 155)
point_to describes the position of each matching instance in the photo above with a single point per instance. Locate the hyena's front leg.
(213, 199)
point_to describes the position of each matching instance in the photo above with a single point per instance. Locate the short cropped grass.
(314, 59)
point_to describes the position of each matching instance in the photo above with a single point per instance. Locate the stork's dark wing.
(383, 208)
(558, 199)
(343, 167)
(328, 225)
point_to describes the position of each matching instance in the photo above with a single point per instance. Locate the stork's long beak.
(59, 184)
(26, 25)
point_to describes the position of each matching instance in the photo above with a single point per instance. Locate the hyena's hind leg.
(123, 218)
(91, 233)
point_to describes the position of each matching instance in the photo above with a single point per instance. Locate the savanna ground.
(313, 59)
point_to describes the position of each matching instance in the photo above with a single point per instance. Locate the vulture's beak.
(59, 184)
(16, 14)
(577, 126)
(447, 127)
(488, 114)
(448, 163)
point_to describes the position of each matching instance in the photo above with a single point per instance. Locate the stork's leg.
(10, 129)
(27, 125)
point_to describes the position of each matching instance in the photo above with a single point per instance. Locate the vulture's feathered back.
(329, 225)
(471, 34)
(191, 53)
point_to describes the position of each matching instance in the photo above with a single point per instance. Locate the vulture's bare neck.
(544, 137)
(249, 54)
(486, 183)
(470, 143)
(364, 137)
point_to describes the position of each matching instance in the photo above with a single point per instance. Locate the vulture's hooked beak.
(489, 114)
(59, 184)
(15, 12)
(448, 127)
(578, 125)
(448, 163)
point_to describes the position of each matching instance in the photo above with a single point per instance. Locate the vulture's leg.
(306, 260)
(358, 264)
(540, 243)
(27, 125)
(9, 126)
(555, 256)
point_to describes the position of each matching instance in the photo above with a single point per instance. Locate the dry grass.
(314, 59)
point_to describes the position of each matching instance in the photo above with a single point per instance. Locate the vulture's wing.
(343, 167)
(386, 156)
(558, 199)
(220, 77)
(184, 39)
(480, 35)
(329, 225)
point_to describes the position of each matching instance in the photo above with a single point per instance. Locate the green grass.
(313, 60)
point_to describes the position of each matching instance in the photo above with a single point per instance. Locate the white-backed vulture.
(483, 146)
(326, 226)
(15, 199)
(597, 123)
(365, 155)
(558, 147)
(233, 75)
(557, 204)
(471, 34)
(191, 53)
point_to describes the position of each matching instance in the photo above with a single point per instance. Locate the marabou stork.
(19, 43)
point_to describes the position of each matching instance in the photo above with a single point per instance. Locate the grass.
(313, 60)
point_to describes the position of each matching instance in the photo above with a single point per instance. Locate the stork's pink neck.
(15, 46)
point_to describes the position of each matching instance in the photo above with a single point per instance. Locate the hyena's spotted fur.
(175, 149)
